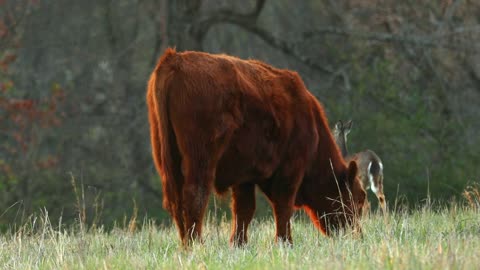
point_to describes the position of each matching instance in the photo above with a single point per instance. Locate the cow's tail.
(164, 147)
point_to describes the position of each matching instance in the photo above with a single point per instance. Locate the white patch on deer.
(370, 178)
(381, 166)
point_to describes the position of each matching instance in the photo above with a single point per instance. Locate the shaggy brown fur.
(219, 122)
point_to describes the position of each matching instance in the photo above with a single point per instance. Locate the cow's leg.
(283, 210)
(243, 208)
(196, 190)
(176, 210)
(282, 192)
(201, 143)
(175, 188)
(172, 193)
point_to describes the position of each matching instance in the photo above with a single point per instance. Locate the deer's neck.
(342, 144)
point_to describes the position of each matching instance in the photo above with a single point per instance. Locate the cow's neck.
(329, 158)
(327, 165)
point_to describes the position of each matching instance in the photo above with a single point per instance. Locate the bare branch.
(285, 47)
(472, 74)
(258, 8)
(433, 41)
(249, 23)
(450, 10)
(192, 6)
(13, 19)
(201, 27)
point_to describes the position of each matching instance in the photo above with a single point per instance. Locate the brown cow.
(221, 122)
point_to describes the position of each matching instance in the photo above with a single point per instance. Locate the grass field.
(446, 238)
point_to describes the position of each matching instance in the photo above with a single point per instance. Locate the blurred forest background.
(73, 123)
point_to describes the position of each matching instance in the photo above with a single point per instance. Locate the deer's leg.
(366, 207)
(378, 183)
(243, 208)
(382, 202)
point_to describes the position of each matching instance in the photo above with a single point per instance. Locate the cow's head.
(338, 202)
(345, 208)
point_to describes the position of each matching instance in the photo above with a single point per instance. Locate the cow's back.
(249, 110)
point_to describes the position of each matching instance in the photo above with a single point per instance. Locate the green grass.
(447, 238)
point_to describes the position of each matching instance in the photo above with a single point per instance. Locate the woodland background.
(74, 135)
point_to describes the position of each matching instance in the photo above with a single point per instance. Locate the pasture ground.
(445, 238)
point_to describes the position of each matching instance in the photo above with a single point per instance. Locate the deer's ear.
(338, 125)
(348, 126)
(352, 172)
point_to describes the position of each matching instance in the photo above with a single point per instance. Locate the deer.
(370, 166)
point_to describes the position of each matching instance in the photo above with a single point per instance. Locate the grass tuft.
(472, 195)
(445, 238)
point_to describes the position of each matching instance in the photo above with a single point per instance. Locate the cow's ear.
(352, 172)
